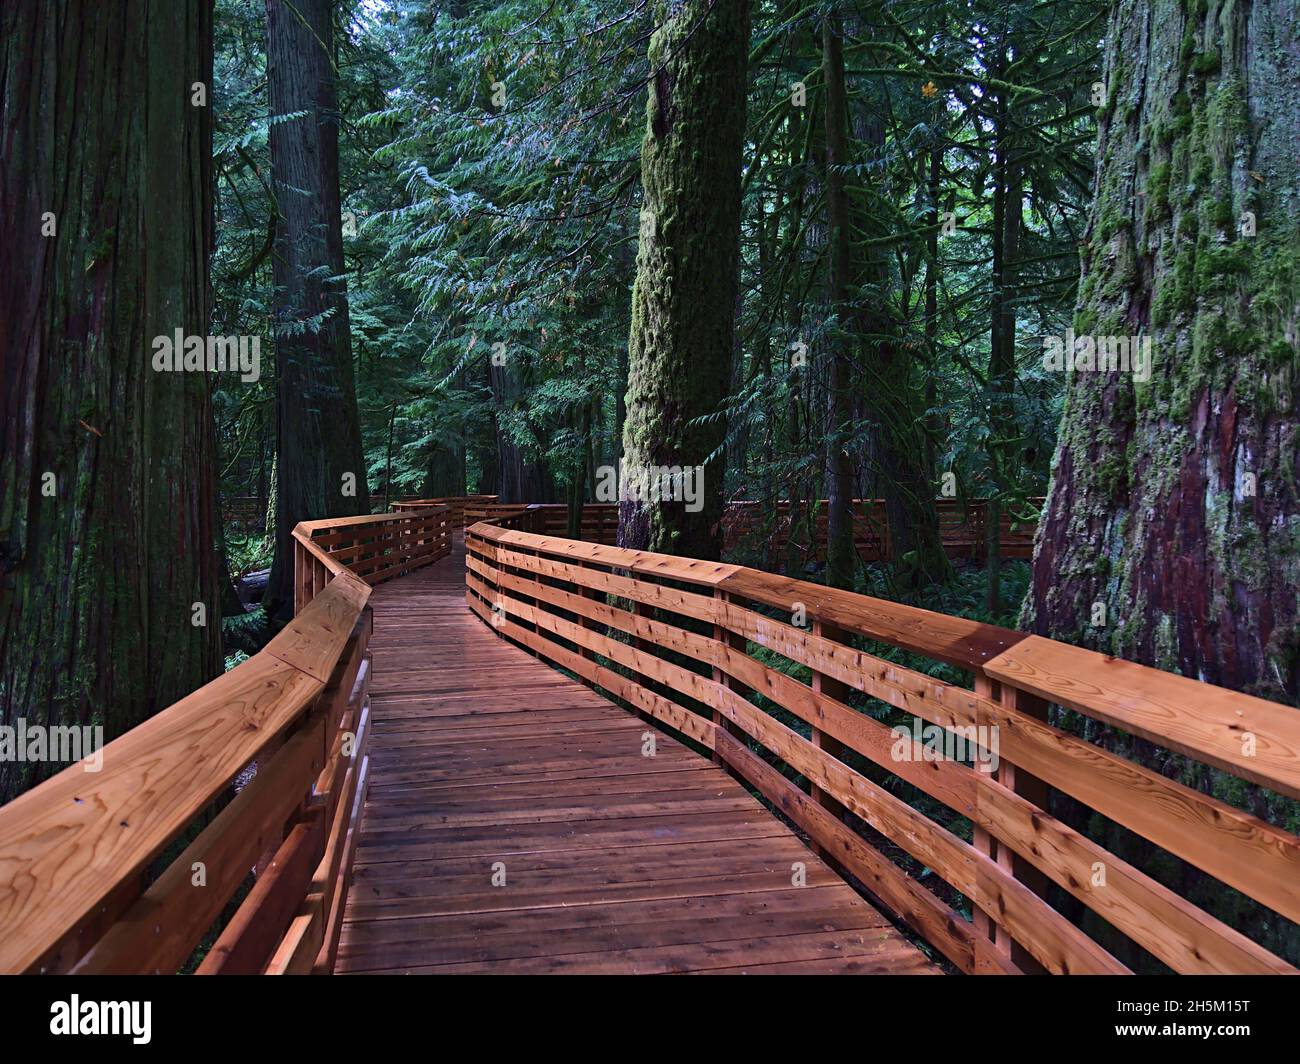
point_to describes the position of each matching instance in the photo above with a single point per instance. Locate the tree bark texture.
(107, 506)
(318, 433)
(684, 297)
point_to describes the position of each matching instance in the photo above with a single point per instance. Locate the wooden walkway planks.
(614, 862)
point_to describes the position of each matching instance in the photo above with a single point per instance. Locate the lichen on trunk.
(1174, 501)
(684, 297)
(1171, 532)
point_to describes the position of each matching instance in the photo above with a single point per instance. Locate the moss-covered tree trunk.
(684, 297)
(322, 471)
(1171, 533)
(1174, 501)
(106, 494)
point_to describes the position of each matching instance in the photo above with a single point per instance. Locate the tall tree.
(1173, 501)
(684, 297)
(841, 556)
(1007, 221)
(320, 468)
(106, 495)
(863, 290)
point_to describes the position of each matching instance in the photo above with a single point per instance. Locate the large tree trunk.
(1002, 453)
(446, 470)
(683, 301)
(106, 498)
(523, 476)
(322, 471)
(932, 309)
(445, 477)
(1173, 502)
(1169, 533)
(841, 557)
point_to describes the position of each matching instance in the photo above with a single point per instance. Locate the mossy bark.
(684, 297)
(107, 508)
(1171, 532)
(1175, 502)
(318, 432)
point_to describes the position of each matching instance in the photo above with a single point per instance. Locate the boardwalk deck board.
(614, 862)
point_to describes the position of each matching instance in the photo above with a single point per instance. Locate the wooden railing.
(456, 506)
(375, 548)
(248, 511)
(962, 528)
(80, 887)
(961, 524)
(672, 638)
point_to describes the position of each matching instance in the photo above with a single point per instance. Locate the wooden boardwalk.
(487, 762)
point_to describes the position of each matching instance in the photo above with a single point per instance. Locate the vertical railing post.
(591, 594)
(986, 843)
(832, 688)
(724, 635)
(640, 609)
(1034, 790)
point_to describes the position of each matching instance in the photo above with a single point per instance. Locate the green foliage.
(490, 164)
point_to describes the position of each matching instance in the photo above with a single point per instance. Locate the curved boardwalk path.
(613, 862)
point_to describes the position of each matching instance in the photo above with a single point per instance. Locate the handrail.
(374, 547)
(627, 621)
(455, 504)
(75, 850)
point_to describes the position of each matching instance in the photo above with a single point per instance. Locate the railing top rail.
(693, 570)
(954, 640)
(308, 527)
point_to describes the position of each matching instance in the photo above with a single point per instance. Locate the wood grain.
(1246, 736)
(614, 861)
